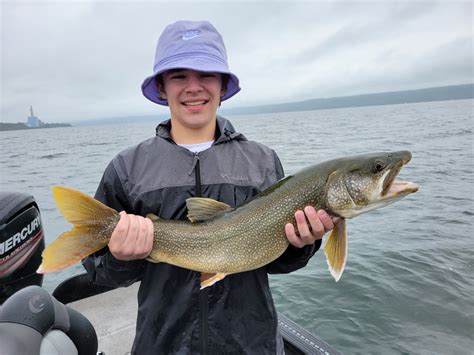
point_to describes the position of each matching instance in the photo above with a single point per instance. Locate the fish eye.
(379, 165)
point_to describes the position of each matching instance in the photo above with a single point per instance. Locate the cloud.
(82, 60)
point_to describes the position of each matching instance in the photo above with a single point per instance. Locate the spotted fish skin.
(228, 240)
(243, 239)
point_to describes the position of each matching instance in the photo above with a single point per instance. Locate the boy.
(195, 153)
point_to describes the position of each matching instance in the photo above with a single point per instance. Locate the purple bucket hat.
(192, 45)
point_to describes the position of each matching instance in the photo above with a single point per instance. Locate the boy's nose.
(194, 83)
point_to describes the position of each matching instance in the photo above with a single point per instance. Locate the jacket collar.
(226, 131)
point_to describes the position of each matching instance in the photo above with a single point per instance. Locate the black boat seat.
(34, 322)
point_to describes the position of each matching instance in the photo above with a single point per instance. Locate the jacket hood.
(226, 131)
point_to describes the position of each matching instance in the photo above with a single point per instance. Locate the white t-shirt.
(198, 147)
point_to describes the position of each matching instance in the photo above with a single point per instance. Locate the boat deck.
(120, 305)
(113, 314)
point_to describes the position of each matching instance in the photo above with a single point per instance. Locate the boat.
(78, 317)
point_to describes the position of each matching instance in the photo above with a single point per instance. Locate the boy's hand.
(132, 238)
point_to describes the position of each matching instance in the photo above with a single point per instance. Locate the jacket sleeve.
(293, 258)
(101, 266)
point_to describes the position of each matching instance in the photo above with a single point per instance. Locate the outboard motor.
(21, 243)
(34, 322)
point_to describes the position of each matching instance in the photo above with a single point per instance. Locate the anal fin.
(210, 279)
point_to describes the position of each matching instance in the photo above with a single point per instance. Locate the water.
(408, 285)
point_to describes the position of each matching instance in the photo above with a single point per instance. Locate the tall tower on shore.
(33, 121)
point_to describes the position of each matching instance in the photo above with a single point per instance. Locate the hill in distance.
(444, 93)
(456, 92)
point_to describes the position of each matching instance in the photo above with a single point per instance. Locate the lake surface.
(409, 281)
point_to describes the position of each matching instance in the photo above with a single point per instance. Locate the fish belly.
(218, 247)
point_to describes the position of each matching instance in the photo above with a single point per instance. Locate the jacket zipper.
(197, 174)
(203, 294)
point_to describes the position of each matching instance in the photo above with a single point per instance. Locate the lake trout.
(221, 240)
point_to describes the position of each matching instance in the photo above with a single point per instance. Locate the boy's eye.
(178, 76)
(208, 75)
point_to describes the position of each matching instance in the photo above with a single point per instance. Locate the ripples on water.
(408, 283)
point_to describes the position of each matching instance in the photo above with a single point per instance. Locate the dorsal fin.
(202, 209)
(275, 186)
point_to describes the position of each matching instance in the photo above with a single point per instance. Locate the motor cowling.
(21, 243)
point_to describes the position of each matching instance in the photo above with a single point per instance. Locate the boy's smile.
(193, 97)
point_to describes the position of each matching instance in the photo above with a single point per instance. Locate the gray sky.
(77, 60)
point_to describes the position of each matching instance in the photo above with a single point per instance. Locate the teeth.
(195, 103)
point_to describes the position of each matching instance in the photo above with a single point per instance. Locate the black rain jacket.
(236, 315)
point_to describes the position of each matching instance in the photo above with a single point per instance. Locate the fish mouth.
(393, 188)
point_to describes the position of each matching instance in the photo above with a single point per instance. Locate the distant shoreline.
(432, 94)
(444, 93)
(21, 126)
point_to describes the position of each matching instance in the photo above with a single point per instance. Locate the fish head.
(362, 183)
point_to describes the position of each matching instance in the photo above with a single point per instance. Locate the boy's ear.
(161, 88)
(161, 91)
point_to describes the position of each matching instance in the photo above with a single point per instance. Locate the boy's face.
(193, 97)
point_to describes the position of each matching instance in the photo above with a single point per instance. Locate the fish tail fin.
(336, 250)
(93, 223)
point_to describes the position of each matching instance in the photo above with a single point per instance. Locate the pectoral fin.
(202, 209)
(336, 250)
(210, 279)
